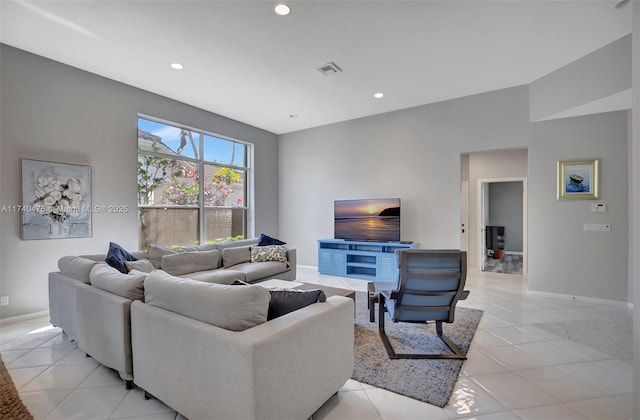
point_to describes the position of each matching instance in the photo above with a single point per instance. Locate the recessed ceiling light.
(282, 9)
(378, 95)
(177, 66)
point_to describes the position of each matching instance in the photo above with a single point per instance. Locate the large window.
(192, 185)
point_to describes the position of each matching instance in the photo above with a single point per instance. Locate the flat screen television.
(367, 220)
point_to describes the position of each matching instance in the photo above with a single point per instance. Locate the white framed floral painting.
(56, 200)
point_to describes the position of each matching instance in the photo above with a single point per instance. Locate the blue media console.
(361, 260)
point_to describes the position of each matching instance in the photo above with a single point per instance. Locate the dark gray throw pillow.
(116, 257)
(285, 301)
(265, 240)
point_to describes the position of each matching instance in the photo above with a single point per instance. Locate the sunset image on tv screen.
(369, 220)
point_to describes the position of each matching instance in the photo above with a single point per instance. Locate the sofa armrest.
(104, 328)
(302, 358)
(292, 258)
(62, 303)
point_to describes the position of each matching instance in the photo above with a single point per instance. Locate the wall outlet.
(597, 227)
(4, 300)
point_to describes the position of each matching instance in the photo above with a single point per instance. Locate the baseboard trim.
(20, 318)
(582, 299)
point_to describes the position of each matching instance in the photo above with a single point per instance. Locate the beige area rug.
(431, 381)
(11, 406)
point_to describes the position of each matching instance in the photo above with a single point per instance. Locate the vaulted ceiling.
(243, 61)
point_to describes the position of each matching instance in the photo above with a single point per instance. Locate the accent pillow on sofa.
(285, 301)
(130, 286)
(190, 262)
(269, 253)
(116, 257)
(230, 307)
(265, 240)
(142, 265)
(236, 255)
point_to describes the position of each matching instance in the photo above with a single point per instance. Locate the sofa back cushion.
(236, 255)
(78, 268)
(190, 262)
(156, 252)
(229, 307)
(130, 286)
(142, 264)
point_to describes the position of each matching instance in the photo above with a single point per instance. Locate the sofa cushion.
(116, 257)
(229, 307)
(265, 240)
(189, 262)
(156, 252)
(285, 301)
(143, 265)
(260, 270)
(236, 255)
(220, 276)
(269, 253)
(76, 267)
(130, 286)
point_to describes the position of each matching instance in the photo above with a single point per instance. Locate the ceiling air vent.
(329, 69)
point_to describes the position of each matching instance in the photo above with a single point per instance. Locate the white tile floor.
(516, 368)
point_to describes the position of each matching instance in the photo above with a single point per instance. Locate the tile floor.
(516, 368)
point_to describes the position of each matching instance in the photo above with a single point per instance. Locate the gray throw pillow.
(190, 262)
(236, 255)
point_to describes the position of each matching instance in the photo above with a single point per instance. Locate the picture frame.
(56, 200)
(578, 179)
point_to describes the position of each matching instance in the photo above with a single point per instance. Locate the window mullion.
(202, 216)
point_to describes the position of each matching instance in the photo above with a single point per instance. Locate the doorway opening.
(502, 207)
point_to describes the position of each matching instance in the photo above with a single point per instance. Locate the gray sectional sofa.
(91, 301)
(207, 351)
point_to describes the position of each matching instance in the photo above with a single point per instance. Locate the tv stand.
(359, 259)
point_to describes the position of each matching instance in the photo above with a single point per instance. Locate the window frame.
(200, 163)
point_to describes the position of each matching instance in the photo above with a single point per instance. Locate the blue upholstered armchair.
(430, 283)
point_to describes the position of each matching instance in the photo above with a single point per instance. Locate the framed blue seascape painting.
(578, 179)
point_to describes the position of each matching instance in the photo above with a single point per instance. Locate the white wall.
(413, 154)
(603, 73)
(58, 113)
(562, 257)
